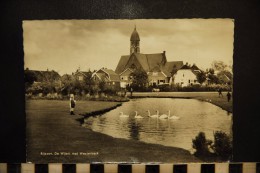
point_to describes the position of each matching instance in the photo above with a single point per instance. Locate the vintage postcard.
(129, 90)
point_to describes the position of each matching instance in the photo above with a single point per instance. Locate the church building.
(158, 69)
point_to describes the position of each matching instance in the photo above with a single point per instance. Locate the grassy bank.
(54, 136)
(211, 97)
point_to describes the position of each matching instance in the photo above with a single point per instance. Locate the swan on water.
(173, 117)
(153, 116)
(163, 116)
(138, 116)
(121, 114)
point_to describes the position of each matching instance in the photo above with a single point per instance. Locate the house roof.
(68, 76)
(194, 67)
(171, 67)
(126, 71)
(83, 73)
(112, 75)
(159, 74)
(184, 67)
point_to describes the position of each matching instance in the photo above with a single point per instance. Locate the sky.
(66, 45)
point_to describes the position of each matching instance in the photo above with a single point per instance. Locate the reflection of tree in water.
(134, 130)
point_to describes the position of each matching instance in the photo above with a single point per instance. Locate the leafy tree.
(139, 79)
(29, 78)
(213, 78)
(201, 77)
(224, 71)
(201, 145)
(102, 85)
(211, 71)
(67, 84)
(222, 145)
(219, 66)
(88, 82)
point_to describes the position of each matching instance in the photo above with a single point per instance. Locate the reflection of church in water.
(159, 70)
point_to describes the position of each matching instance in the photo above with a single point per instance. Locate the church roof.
(150, 62)
(155, 60)
(147, 61)
(121, 66)
(135, 36)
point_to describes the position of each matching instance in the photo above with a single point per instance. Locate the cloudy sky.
(66, 45)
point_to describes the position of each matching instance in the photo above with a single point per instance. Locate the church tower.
(134, 42)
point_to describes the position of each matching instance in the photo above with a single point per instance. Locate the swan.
(121, 114)
(138, 116)
(172, 117)
(163, 116)
(153, 116)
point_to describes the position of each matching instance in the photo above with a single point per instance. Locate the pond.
(194, 116)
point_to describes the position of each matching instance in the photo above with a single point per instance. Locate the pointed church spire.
(134, 42)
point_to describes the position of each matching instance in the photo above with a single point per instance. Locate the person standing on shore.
(131, 90)
(72, 104)
(228, 96)
(220, 92)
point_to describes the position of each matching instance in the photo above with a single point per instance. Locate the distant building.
(187, 76)
(108, 76)
(158, 69)
(80, 75)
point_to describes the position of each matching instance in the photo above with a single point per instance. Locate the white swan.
(122, 115)
(153, 116)
(173, 117)
(138, 116)
(163, 116)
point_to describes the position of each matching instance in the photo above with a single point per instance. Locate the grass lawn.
(55, 136)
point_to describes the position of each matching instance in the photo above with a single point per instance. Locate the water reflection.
(134, 130)
(195, 116)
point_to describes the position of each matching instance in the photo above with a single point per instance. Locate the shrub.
(164, 87)
(201, 145)
(222, 145)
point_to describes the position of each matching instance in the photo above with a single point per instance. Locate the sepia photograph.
(129, 91)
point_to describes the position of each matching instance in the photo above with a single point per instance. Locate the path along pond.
(195, 116)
